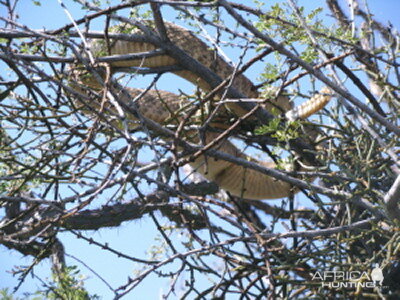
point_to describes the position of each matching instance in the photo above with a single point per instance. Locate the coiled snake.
(161, 106)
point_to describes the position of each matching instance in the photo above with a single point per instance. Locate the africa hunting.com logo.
(350, 279)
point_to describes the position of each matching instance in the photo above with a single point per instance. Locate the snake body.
(160, 106)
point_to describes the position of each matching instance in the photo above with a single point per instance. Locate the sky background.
(132, 238)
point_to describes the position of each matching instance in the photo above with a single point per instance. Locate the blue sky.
(135, 237)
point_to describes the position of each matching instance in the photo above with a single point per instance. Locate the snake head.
(80, 75)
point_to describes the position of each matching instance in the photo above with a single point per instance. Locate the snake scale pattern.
(161, 106)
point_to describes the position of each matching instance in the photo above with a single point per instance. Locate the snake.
(163, 107)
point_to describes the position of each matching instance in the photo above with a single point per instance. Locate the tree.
(71, 160)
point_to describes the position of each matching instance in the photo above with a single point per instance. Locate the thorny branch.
(67, 168)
